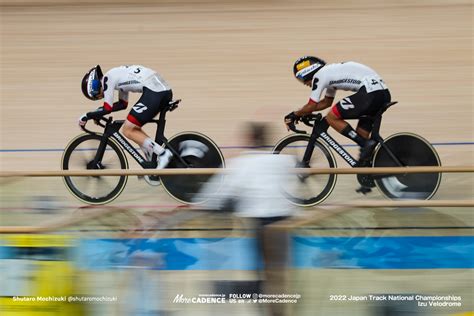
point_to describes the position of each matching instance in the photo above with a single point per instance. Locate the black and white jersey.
(130, 78)
(347, 76)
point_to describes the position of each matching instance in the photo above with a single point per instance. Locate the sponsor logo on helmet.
(302, 65)
(304, 72)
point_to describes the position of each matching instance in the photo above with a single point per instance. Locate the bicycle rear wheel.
(411, 150)
(79, 153)
(198, 151)
(308, 190)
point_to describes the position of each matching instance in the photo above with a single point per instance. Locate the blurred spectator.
(252, 189)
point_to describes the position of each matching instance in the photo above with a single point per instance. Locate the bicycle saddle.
(173, 104)
(386, 106)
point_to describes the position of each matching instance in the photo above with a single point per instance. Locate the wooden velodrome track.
(230, 62)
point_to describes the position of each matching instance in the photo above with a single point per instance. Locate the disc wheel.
(198, 151)
(412, 151)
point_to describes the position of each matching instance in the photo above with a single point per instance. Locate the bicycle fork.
(96, 163)
(317, 130)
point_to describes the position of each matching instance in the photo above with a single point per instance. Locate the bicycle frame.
(111, 130)
(320, 131)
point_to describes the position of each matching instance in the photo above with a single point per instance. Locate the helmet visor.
(93, 84)
(300, 78)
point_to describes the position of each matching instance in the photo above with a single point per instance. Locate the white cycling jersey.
(130, 78)
(348, 76)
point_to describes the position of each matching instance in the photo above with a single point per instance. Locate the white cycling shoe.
(164, 159)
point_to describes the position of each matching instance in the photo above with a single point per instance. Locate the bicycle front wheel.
(411, 150)
(307, 190)
(79, 154)
(198, 151)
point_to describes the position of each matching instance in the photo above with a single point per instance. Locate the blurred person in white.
(253, 189)
(371, 93)
(156, 95)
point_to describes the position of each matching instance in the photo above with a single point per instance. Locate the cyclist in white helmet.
(371, 94)
(156, 94)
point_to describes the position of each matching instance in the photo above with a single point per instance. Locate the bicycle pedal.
(364, 190)
(302, 177)
(363, 163)
(366, 180)
(152, 180)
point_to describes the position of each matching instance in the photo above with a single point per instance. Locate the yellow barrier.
(39, 277)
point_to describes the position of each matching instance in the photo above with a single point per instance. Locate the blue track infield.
(421, 252)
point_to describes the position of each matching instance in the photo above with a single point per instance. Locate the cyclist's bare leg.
(364, 127)
(147, 145)
(337, 123)
(345, 128)
(362, 132)
(134, 133)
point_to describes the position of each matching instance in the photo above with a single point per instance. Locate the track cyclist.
(371, 93)
(155, 95)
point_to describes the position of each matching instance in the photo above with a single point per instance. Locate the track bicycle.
(97, 151)
(398, 150)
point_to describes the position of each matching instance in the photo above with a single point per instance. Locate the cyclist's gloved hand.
(290, 119)
(83, 120)
(95, 115)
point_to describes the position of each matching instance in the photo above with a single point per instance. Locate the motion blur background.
(230, 61)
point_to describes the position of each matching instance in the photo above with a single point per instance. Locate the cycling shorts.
(361, 104)
(149, 105)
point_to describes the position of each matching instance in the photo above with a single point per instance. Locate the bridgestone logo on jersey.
(352, 81)
(337, 148)
(128, 147)
(128, 82)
